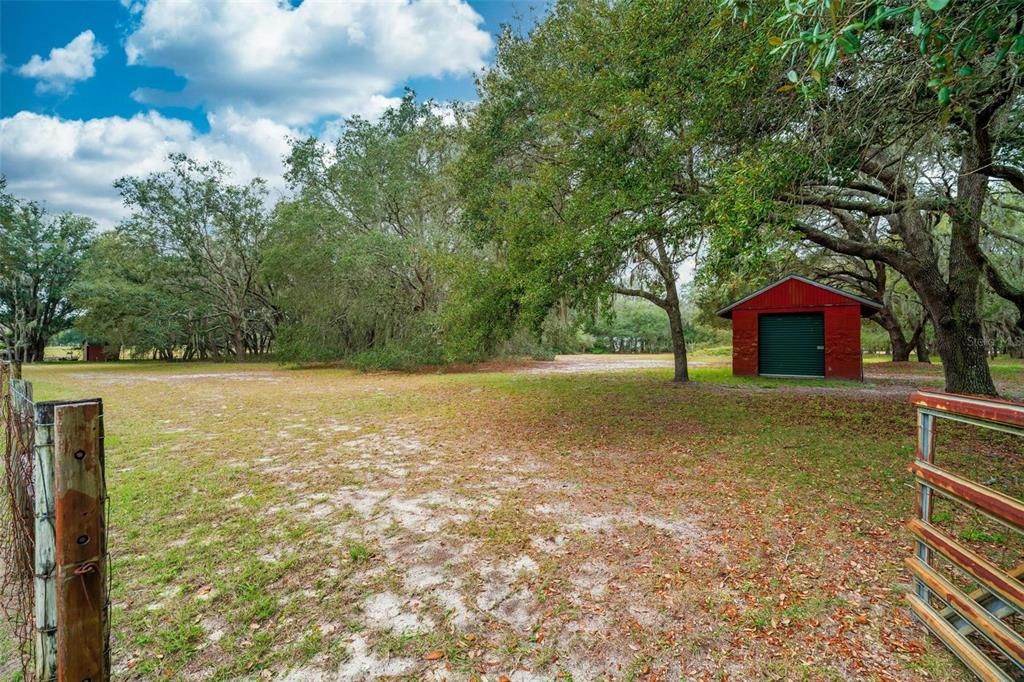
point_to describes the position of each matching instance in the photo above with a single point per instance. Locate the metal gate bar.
(1002, 592)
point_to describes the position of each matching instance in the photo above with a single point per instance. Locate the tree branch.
(850, 247)
(999, 283)
(640, 293)
(1014, 176)
(1005, 235)
(870, 208)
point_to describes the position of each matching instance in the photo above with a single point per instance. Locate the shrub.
(524, 344)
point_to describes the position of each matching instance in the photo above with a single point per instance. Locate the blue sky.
(90, 91)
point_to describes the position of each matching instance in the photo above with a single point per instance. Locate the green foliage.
(483, 310)
(200, 242)
(524, 343)
(1005, 243)
(582, 163)
(964, 43)
(753, 238)
(416, 348)
(68, 337)
(631, 327)
(561, 331)
(134, 298)
(40, 257)
(874, 339)
(359, 553)
(979, 535)
(362, 257)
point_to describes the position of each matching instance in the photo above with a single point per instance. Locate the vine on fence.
(17, 525)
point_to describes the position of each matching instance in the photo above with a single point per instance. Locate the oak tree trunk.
(897, 339)
(964, 358)
(919, 340)
(958, 332)
(236, 329)
(959, 341)
(37, 349)
(675, 323)
(900, 349)
(922, 349)
(954, 312)
(1015, 341)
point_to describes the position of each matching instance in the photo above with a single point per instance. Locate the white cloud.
(262, 69)
(322, 59)
(66, 65)
(71, 165)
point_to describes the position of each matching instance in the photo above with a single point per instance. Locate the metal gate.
(976, 625)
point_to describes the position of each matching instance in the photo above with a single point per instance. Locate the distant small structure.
(797, 327)
(99, 352)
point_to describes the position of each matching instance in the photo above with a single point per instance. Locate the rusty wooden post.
(45, 550)
(81, 548)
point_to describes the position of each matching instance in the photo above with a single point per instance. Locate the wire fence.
(17, 515)
(54, 562)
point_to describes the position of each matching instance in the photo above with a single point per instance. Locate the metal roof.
(863, 301)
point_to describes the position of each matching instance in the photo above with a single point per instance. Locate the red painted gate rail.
(1001, 593)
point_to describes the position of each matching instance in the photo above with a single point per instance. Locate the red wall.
(842, 327)
(843, 358)
(96, 352)
(744, 342)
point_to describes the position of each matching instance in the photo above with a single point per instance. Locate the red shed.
(798, 327)
(99, 352)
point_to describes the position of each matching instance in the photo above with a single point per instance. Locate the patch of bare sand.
(588, 364)
(361, 663)
(444, 579)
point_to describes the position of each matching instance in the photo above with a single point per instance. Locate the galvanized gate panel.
(791, 344)
(956, 617)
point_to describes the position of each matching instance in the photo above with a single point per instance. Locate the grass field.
(63, 353)
(584, 519)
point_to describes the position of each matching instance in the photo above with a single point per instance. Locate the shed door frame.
(817, 328)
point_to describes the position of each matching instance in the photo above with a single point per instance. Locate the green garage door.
(791, 344)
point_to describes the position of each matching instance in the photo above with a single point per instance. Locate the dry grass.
(324, 524)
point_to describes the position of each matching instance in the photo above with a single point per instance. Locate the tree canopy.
(40, 256)
(362, 254)
(585, 160)
(616, 151)
(872, 165)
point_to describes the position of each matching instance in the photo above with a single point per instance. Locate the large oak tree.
(217, 231)
(40, 255)
(912, 116)
(584, 164)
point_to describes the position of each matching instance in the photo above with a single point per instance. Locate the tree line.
(876, 146)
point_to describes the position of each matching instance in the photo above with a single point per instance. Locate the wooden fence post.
(45, 546)
(81, 585)
(66, 513)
